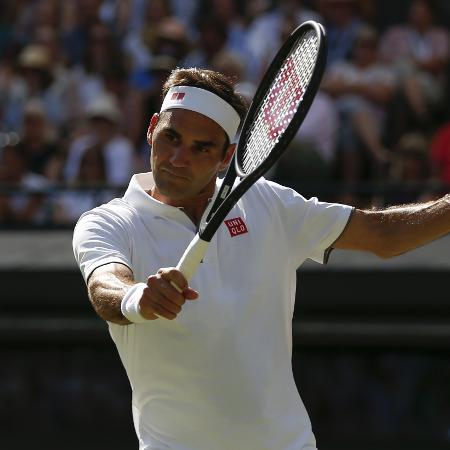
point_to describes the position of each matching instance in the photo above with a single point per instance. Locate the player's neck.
(192, 207)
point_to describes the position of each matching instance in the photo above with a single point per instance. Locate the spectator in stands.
(410, 170)
(101, 52)
(48, 37)
(46, 14)
(21, 208)
(78, 18)
(144, 99)
(140, 39)
(12, 94)
(169, 46)
(419, 51)
(342, 23)
(312, 153)
(170, 39)
(104, 120)
(253, 9)
(116, 15)
(39, 80)
(31, 15)
(266, 33)
(231, 14)
(7, 31)
(69, 205)
(362, 87)
(38, 142)
(232, 65)
(212, 38)
(440, 153)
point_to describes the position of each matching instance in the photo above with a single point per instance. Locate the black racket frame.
(227, 196)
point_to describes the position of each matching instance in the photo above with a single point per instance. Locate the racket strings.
(281, 102)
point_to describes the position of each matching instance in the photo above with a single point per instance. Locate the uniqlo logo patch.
(236, 226)
(178, 96)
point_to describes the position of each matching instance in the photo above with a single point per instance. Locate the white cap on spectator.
(35, 56)
(104, 106)
(34, 107)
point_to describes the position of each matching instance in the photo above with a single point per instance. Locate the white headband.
(206, 103)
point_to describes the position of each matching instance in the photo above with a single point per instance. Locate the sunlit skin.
(188, 151)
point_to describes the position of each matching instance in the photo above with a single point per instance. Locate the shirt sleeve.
(311, 226)
(100, 238)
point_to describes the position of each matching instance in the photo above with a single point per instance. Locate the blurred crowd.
(79, 80)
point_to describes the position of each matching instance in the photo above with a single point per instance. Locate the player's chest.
(245, 243)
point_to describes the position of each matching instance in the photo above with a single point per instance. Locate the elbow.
(107, 308)
(385, 254)
(384, 245)
(386, 249)
(108, 314)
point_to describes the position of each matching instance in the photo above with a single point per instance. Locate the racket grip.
(192, 257)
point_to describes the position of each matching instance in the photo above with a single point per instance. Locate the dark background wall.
(371, 360)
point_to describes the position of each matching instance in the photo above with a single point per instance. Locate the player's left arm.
(395, 230)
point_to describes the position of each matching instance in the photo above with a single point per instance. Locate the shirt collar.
(137, 196)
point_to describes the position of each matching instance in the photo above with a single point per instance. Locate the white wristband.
(130, 303)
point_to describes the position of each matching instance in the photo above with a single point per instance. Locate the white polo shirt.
(219, 376)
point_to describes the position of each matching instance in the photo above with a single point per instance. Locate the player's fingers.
(154, 303)
(144, 306)
(158, 284)
(174, 277)
(161, 293)
(166, 303)
(160, 310)
(171, 292)
(178, 282)
(190, 294)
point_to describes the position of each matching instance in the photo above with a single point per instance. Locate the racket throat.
(224, 192)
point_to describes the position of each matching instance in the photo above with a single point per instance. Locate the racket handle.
(192, 257)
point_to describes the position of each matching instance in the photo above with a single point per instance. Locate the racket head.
(282, 100)
(275, 135)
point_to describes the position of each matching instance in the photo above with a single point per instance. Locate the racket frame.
(227, 195)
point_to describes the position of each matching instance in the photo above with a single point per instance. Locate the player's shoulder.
(271, 189)
(115, 212)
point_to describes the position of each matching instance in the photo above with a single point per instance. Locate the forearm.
(404, 228)
(106, 291)
(396, 230)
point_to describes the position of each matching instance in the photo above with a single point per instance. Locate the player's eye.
(171, 137)
(201, 148)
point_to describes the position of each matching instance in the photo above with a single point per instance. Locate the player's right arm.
(109, 283)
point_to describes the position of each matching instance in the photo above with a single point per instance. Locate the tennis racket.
(278, 108)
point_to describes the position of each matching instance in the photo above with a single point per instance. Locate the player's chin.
(175, 188)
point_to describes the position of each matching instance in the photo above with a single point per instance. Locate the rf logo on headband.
(178, 96)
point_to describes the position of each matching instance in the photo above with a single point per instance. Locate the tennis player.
(210, 367)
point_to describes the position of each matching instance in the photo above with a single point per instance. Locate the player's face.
(188, 150)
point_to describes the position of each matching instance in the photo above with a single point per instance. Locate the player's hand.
(161, 298)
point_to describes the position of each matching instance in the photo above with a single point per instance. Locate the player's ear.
(151, 127)
(228, 155)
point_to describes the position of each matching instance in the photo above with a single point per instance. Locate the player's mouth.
(175, 173)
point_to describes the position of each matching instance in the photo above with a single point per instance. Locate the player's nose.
(179, 156)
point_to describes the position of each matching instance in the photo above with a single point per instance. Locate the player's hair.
(209, 80)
